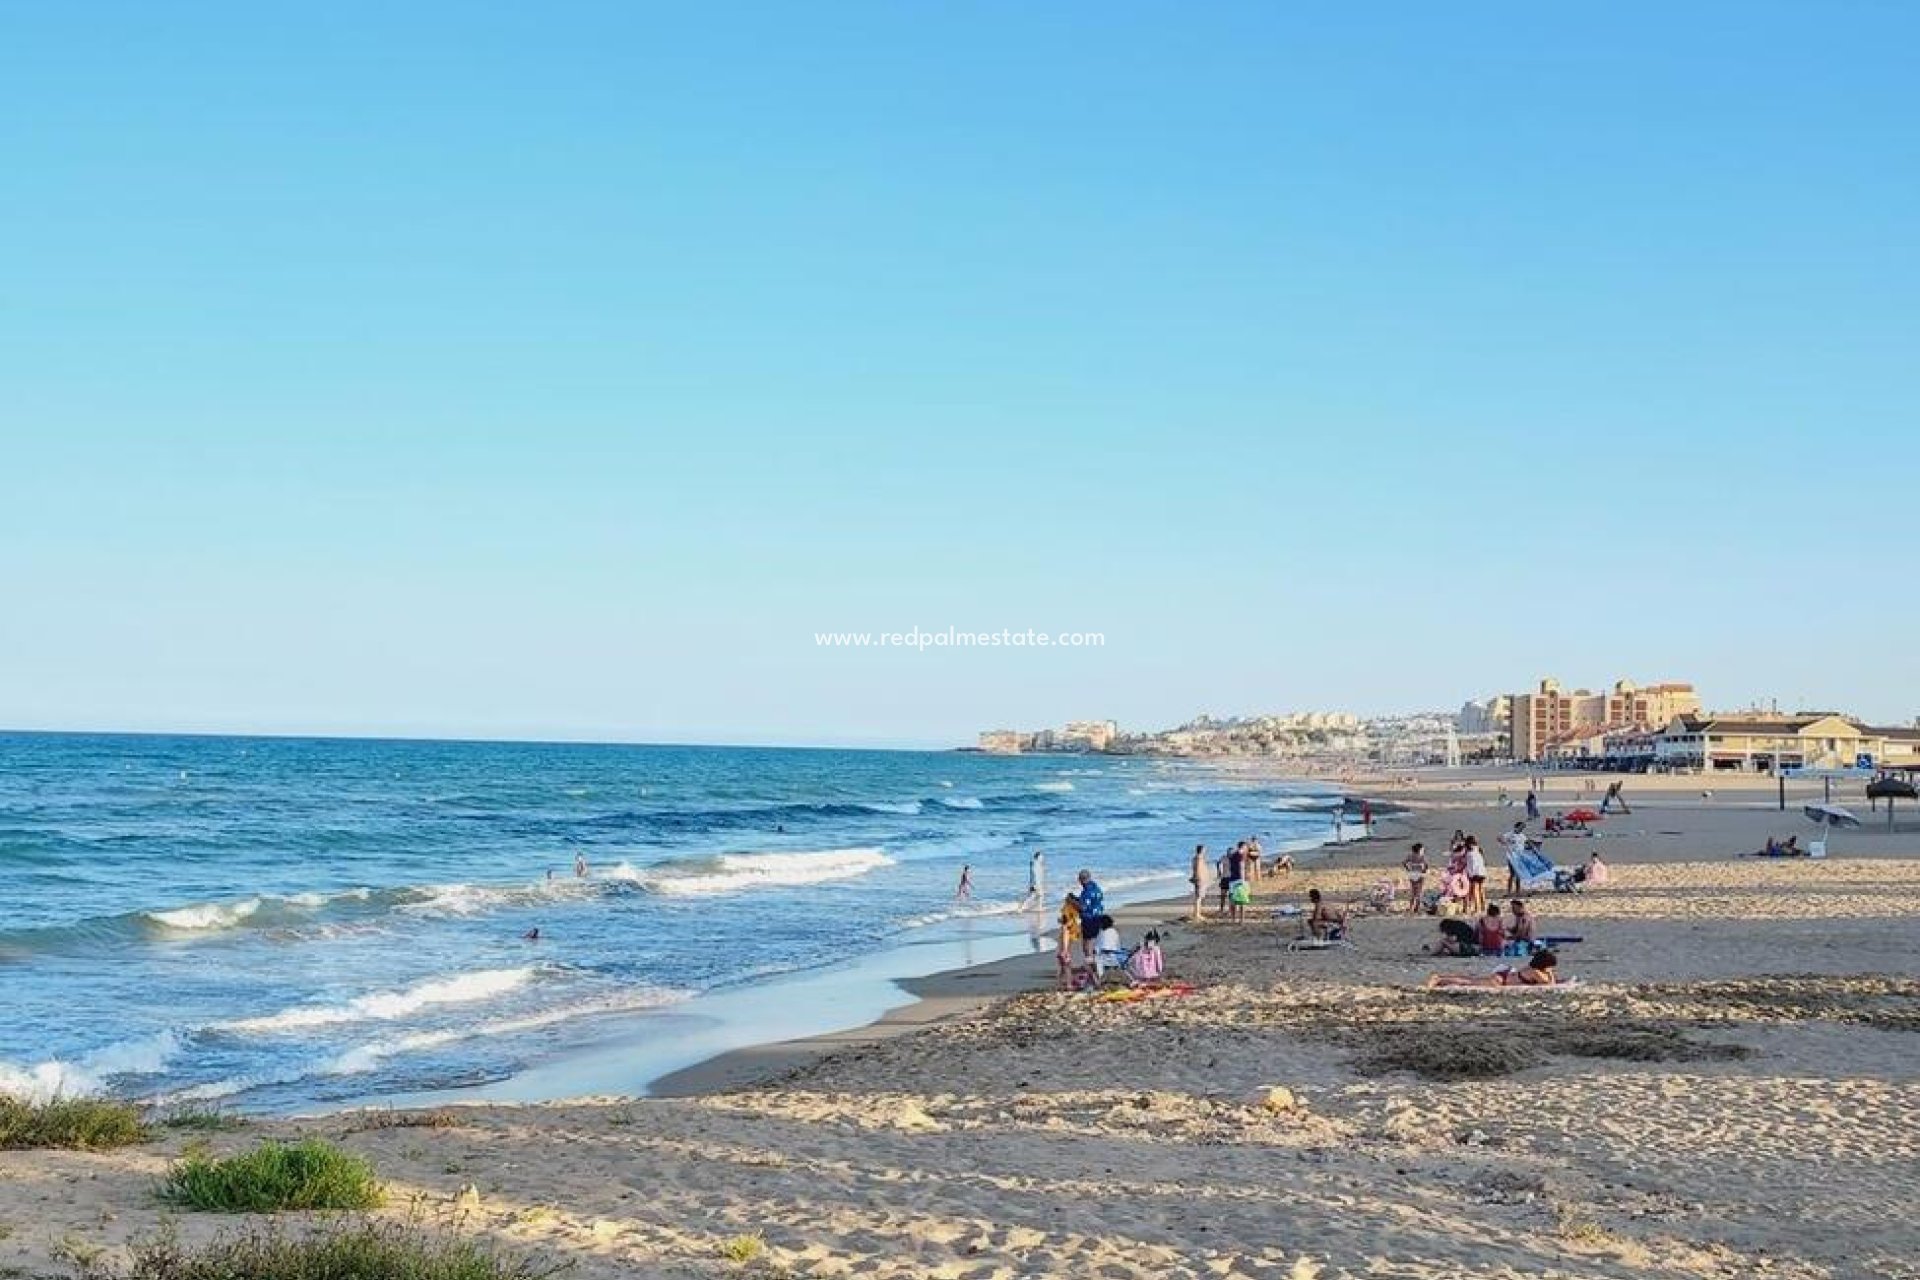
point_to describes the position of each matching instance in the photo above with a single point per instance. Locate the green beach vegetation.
(84, 1124)
(311, 1174)
(363, 1251)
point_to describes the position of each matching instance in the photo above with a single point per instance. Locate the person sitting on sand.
(1597, 872)
(1457, 938)
(1148, 962)
(1324, 922)
(1491, 935)
(1788, 848)
(1521, 929)
(1541, 971)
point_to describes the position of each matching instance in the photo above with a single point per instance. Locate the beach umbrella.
(1832, 815)
(1891, 789)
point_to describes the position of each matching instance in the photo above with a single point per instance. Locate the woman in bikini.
(1537, 972)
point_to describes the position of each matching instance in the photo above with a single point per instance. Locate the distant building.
(1751, 742)
(1549, 717)
(1492, 716)
(1087, 735)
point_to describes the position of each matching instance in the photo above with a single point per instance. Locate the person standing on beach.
(1037, 877)
(1223, 873)
(1197, 877)
(1093, 905)
(1533, 805)
(1069, 939)
(1366, 817)
(1515, 842)
(1340, 823)
(1476, 877)
(1415, 865)
(964, 893)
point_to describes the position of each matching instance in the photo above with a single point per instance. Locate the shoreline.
(1286, 1114)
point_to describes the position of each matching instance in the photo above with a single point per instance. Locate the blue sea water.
(287, 923)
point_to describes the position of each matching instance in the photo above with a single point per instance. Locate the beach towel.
(1569, 984)
(1126, 995)
(1534, 868)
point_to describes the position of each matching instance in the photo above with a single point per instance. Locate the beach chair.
(1383, 896)
(1339, 938)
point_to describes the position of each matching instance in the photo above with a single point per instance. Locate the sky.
(561, 370)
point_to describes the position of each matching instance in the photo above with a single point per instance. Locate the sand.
(1733, 1091)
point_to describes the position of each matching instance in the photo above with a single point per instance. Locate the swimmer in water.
(580, 866)
(531, 935)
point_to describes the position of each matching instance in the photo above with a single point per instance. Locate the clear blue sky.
(423, 369)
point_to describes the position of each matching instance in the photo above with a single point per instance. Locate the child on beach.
(1069, 939)
(1415, 865)
(1147, 964)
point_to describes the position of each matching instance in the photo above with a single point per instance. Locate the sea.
(285, 924)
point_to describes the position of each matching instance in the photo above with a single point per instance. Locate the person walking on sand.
(1197, 877)
(964, 891)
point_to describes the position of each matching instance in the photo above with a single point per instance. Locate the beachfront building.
(1546, 722)
(1763, 743)
(1003, 742)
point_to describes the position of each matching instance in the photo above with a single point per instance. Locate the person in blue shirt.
(1093, 905)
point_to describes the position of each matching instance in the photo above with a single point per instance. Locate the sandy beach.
(1732, 1090)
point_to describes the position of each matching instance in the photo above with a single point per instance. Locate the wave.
(367, 1057)
(90, 1073)
(909, 807)
(1053, 786)
(388, 1006)
(732, 872)
(962, 802)
(206, 915)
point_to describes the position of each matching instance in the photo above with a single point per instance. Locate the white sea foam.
(882, 806)
(206, 915)
(386, 1006)
(89, 1073)
(1053, 786)
(731, 872)
(961, 802)
(366, 1057)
